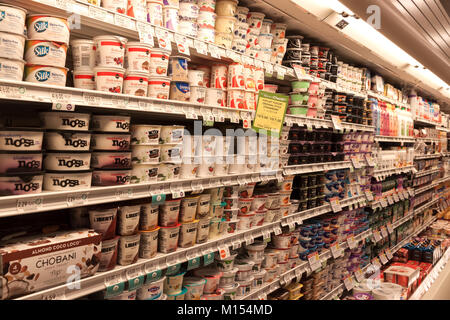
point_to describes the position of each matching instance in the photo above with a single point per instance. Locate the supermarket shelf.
(46, 201)
(425, 173)
(316, 167)
(431, 277)
(379, 203)
(384, 98)
(323, 123)
(427, 156)
(443, 129)
(431, 186)
(425, 122)
(161, 261)
(427, 139)
(383, 173)
(426, 206)
(34, 92)
(379, 138)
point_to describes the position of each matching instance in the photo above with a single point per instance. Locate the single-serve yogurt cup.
(197, 95)
(212, 277)
(228, 277)
(142, 173)
(110, 51)
(119, 6)
(155, 12)
(159, 62)
(149, 243)
(145, 154)
(246, 221)
(172, 134)
(244, 267)
(180, 91)
(194, 287)
(188, 234)
(108, 258)
(137, 56)
(151, 290)
(171, 153)
(170, 17)
(135, 83)
(173, 284)
(84, 78)
(145, 134)
(169, 171)
(226, 264)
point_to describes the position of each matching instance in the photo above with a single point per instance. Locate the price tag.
(190, 113)
(201, 47)
(390, 200)
(114, 285)
(266, 236)
(173, 269)
(29, 204)
(384, 232)
(352, 244)
(377, 236)
(268, 67)
(164, 39)
(259, 63)
(383, 202)
(359, 275)
(92, 99)
(77, 199)
(61, 106)
(208, 258)
(182, 45)
(124, 22)
(405, 194)
(298, 274)
(248, 60)
(401, 196)
(388, 253)
(337, 124)
(277, 230)
(281, 72)
(355, 163)
(153, 276)
(396, 198)
(55, 295)
(193, 263)
(158, 199)
(348, 283)
(236, 245)
(97, 13)
(335, 205)
(176, 190)
(383, 258)
(234, 116)
(314, 261)
(369, 195)
(376, 263)
(390, 228)
(411, 192)
(369, 161)
(135, 278)
(146, 34)
(336, 250)
(124, 193)
(224, 252)
(214, 50)
(249, 239)
(300, 73)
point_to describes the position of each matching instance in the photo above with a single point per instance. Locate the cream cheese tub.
(145, 134)
(42, 52)
(47, 27)
(105, 178)
(104, 220)
(12, 18)
(67, 181)
(194, 287)
(128, 220)
(63, 161)
(169, 212)
(212, 277)
(110, 51)
(11, 185)
(145, 154)
(135, 83)
(111, 141)
(83, 53)
(67, 141)
(18, 139)
(152, 290)
(188, 208)
(84, 78)
(11, 69)
(168, 239)
(15, 161)
(11, 45)
(108, 258)
(159, 62)
(116, 123)
(149, 243)
(168, 171)
(172, 134)
(149, 216)
(128, 249)
(137, 57)
(65, 121)
(109, 79)
(141, 173)
(174, 284)
(171, 153)
(46, 75)
(188, 234)
(158, 87)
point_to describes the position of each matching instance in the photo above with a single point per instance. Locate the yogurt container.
(169, 212)
(67, 161)
(188, 234)
(128, 249)
(197, 95)
(236, 78)
(20, 162)
(224, 39)
(178, 68)
(225, 24)
(83, 53)
(11, 44)
(155, 12)
(149, 216)
(17, 139)
(230, 291)
(168, 239)
(149, 243)
(194, 287)
(226, 7)
(170, 17)
(216, 211)
(226, 264)
(228, 277)
(41, 52)
(44, 74)
(47, 27)
(135, 83)
(214, 97)
(195, 78)
(106, 123)
(126, 295)
(137, 57)
(142, 173)
(159, 62)
(119, 6)
(104, 220)
(65, 121)
(108, 258)
(111, 141)
(219, 73)
(245, 221)
(212, 277)
(128, 220)
(111, 177)
(188, 26)
(203, 230)
(145, 134)
(110, 51)
(171, 152)
(174, 284)
(245, 286)
(206, 33)
(235, 99)
(62, 141)
(13, 19)
(21, 184)
(188, 208)
(207, 5)
(169, 171)
(111, 160)
(177, 296)
(109, 79)
(84, 78)
(64, 181)
(189, 168)
(151, 290)
(203, 205)
(158, 87)
(278, 30)
(12, 69)
(137, 9)
(172, 134)
(145, 154)
(179, 91)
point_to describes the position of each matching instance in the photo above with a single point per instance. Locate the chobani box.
(33, 263)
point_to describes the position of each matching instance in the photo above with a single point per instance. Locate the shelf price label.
(77, 199)
(411, 192)
(114, 285)
(266, 236)
(314, 261)
(300, 73)
(383, 258)
(224, 251)
(176, 190)
(55, 295)
(376, 263)
(348, 283)
(124, 22)
(336, 250)
(268, 67)
(337, 123)
(390, 200)
(359, 275)
(390, 229)
(384, 232)
(135, 278)
(201, 47)
(383, 202)
(30, 204)
(214, 50)
(369, 195)
(164, 39)
(388, 253)
(208, 258)
(377, 236)
(124, 193)
(352, 243)
(396, 198)
(193, 263)
(281, 72)
(182, 44)
(335, 205)
(197, 187)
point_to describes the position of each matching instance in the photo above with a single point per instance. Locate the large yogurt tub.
(111, 141)
(188, 208)
(67, 181)
(145, 134)
(169, 171)
(203, 230)
(230, 291)
(228, 277)
(83, 53)
(12, 45)
(84, 78)
(46, 75)
(194, 286)
(65, 121)
(137, 56)
(110, 51)
(212, 277)
(159, 62)
(109, 79)
(158, 87)
(16, 161)
(11, 185)
(67, 141)
(13, 19)
(47, 27)
(177, 296)
(106, 123)
(105, 178)
(226, 264)
(145, 154)
(12, 69)
(42, 52)
(169, 213)
(17, 139)
(142, 173)
(67, 161)
(188, 234)
(135, 83)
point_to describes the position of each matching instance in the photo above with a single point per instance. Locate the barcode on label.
(85, 59)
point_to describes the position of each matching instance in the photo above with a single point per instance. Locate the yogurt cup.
(282, 241)
(83, 53)
(58, 161)
(226, 7)
(174, 284)
(255, 19)
(207, 5)
(159, 62)
(194, 287)
(43, 74)
(21, 184)
(216, 211)
(228, 277)
(13, 19)
(195, 78)
(12, 45)
(188, 208)
(241, 13)
(197, 95)
(217, 295)
(171, 153)
(17, 139)
(214, 97)
(108, 258)
(151, 290)
(149, 243)
(224, 39)
(225, 24)
(219, 74)
(212, 277)
(207, 167)
(149, 216)
(169, 171)
(244, 269)
(235, 79)
(41, 52)
(170, 18)
(145, 154)
(158, 87)
(232, 226)
(168, 239)
(206, 33)
(203, 230)
(265, 41)
(177, 296)
(245, 221)
(64, 181)
(137, 57)
(189, 168)
(171, 134)
(230, 214)
(128, 249)
(111, 141)
(235, 99)
(259, 203)
(188, 234)
(59, 141)
(278, 30)
(111, 177)
(84, 78)
(230, 291)
(137, 9)
(20, 162)
(47, 27)
(110, 51)
(179, 91)
(65, 121)
(145, 134)
(270, 259)
(135, 83)
(155, 13)
(109, 79)
(126, 295)
(188, 26)
(226, 264)
(143, 173)
(169, 212)
(111, 160)
(203, 206)
(206, 75)
(245, 205)
(231, 203)
(103, 220)
(119, 6)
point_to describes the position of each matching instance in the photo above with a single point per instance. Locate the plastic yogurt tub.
(171, 153)
(145, 154)
(84, 78)
(159, 62)
(168, 239)
(64, 141)
(245, 286)
(18, 139)
(203, 230)
(128, 220)
(169, 171)
(169, 212)
(216, 211)
(151, 290)
(41, 52)
(126, 295)
(158, 87)
(108, 258)
(188, 208)
(12, 69)
(137, 57)
(177, 296)
(188, 27)
(172, 134)
(226, 7)
(111, 141)
(12, 45)
(212, 277)
(149, 243)
(149, 216)
(203, 206)
(64, 181)
(45, 74)
(110, 51)
(270, 259)
(119, 6)
(244, 268)
(180, 91)
(107, 123)
(194, 287)
(145, 134)
(245, 221)
(111, 177)
(111, 160)
(13, 19)
(135, 83)
(188, 234)
(65, 121)
(226, 264)
(255, 251)
(21, 184)
(228, 277)
(17, 161)
(155, 12)
(103, 220)
(197, 94)
(142, 173)
(61, 161)
(47, 27)
(230, 291)
(170, 17)
(83, 53)
(178, 68)
(189, 168)
(282, 241)
(109, 79)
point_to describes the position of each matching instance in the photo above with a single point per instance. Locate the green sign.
(270, 111)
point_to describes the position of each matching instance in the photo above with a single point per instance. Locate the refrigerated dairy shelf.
(379, 138)
(427, 156)
(426, 206)
(385, 201)
(316, 167)
(323, 123)
(425, 173)
(432, 185)
(383, 173)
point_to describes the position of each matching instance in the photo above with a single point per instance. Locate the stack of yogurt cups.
(171, 9)
(12, 31)
(178, 72)
(240, 30)
(265, 40)
(188, 15)
(255, 22)
(155, 12)
(219, 75)
(197, 86)
(171, 140)
(206, 20)
(137, 9)
(46, 50)
(225, 22)
(279, 43)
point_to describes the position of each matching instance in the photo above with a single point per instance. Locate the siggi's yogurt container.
(83, 53)
(11, 45)
(65, 121)
(20, 184)
(65, 181)
(137, 57)
(168, 239)
(12, 19)
(110, 51)
(109, 79)
(17, 139)
(144, 173)
(58, 161)
(50, 28)
(83, 78)
(111, 160)
(47, 53)
(135, 84)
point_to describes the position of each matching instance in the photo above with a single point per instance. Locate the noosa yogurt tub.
(111, 177)
(67, 161)
(46, 27)
(111, 160)
(16, 161)
(111, 141)
(67, 141)
(11, 69)
(46, 75)
(41, 52)
(20, 184)
(65, 120)
(17, 139)
(115, 123)
(64, 181)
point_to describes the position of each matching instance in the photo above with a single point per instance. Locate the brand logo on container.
(41, 26)
(66, 183)
(122, 179)
(42, 75)
(41, 51)
(2, 15)
(26, 186)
